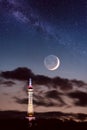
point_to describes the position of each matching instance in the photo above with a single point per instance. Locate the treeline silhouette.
(41, 124)
(14, 120)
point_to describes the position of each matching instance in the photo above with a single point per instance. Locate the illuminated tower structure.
(30, 110)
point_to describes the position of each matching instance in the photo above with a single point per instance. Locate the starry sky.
(30, 30)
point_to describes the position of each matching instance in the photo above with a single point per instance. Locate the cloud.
(39, 102)
(23, 73)
(42, 80)
(19, 73)
(21, 101)
(48, 92)
(56, 82)
(78, 83)
(8, 83)
(46, 104)
(81, 98)
(47, 99)
(53, 94)
(64, 84)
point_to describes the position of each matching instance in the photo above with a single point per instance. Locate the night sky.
(30, 30)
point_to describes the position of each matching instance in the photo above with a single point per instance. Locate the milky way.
(27, 15)
(28, 12)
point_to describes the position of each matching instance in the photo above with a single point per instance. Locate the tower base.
(30, 118)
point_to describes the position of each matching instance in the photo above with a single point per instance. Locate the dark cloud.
(39, 102)
(44, 99)
(5, 94)
(53, 94)
(65, 84)
(19, 74)
(21, 101)
(81, 98)
(43, 103)
(8, 83)
(78, 83)
(56, 82)
(42, 80)
(23, 73)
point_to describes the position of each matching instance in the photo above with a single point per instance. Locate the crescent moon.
(51, 62)
(57, 65)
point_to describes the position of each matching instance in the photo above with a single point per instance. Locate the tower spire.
(30, 82)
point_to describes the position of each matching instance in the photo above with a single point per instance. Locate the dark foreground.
(41, 124)
(13, 120)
